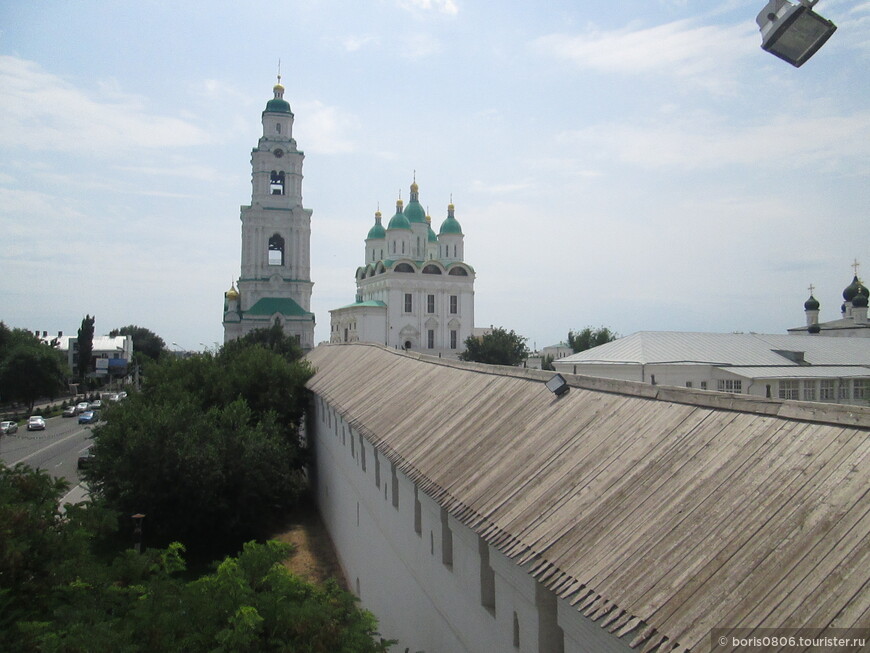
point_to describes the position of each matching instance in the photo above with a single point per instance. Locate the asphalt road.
(55, 450)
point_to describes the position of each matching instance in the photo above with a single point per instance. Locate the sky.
(634, 165)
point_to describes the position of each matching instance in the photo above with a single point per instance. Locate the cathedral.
(275, 282)
(414, 290)
(853, 320)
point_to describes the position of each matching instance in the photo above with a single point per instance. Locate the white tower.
(275, 283)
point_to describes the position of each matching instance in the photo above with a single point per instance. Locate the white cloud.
(419, 46)
(448, 7)
(328, 129)
(705, 142)
(354, 43)
(41, 111)
(678, 48)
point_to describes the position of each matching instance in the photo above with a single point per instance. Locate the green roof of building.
(451, 226)
(282, 305)
(399, 221)
(372, 303)
(277, 105)
(377, 230)
(414, 212)
(432, 237)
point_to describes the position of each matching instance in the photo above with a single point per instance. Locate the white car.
(8, 427)
(82, 407)
(36, 423)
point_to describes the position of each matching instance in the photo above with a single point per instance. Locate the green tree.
(146, 343)
(57, 593)
(29, 368)
(588, 338)
(209, 449)
(501, 347)
(86, 346)
(547, 362)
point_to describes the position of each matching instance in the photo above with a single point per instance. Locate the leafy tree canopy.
(209, 449)
(588, 338)
(29, 368)
(501, 347)
(146, 343)
(58, 594)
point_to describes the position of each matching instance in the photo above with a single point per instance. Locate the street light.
(793, 32)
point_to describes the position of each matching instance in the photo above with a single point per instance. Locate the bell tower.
(275, 283)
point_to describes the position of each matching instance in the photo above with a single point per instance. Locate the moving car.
(36, 423)
(69, 411)
(89, 417)
(86, 459)
(8, 427)
(82, 407)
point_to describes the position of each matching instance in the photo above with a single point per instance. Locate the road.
(55, 450)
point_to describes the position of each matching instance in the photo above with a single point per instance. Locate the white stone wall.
(423, 581)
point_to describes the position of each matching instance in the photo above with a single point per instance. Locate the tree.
(209, 449)
(547, 362)
(501, 347)
(60, 593)
(86, 345)
(146, 343)
(589, 338)
(29, 368)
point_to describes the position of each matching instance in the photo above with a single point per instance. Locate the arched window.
(276, 250)
(431, 269)
(276, 182)
(458, 272)
(404, 267)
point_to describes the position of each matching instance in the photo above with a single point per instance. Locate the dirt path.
(314, 559)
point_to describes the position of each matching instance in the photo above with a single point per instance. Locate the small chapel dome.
(414, 211)
(451, 224)
(399, 221)
(812, 304)
(232, 293)
(377, 231)
(860, 301)
(814, 328)
(852, 289)
(432, 237)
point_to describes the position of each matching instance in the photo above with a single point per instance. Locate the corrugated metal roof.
(725, 348)
(662, 512)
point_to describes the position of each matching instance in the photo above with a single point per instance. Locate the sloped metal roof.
(658, 512)
(755, 349)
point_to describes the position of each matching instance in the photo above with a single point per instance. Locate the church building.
(853, 320)
(275, 281)
(414, 290)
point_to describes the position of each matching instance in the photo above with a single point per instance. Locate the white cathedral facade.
(414, 290)
(275, 282)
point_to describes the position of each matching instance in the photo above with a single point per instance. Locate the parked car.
(86, 459)
(36, 423)
(96, 403)
(89, 417)
(82, 407)
(8, 427)
(69, 411)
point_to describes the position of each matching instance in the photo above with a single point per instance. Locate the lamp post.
(794, 33)
(137, 531)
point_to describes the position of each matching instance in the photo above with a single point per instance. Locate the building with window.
(110, 355)
(472, 511)
(414, 290)
(805, 367)
(275, 282)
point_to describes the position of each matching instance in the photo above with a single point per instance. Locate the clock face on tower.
(278, 153)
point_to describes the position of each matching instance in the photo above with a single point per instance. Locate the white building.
(810, 368)
(853, 314)
(275, 283)
(110, 356)
(414, 289)
(474, 512)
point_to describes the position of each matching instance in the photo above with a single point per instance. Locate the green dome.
(860, 301)
(377, 230)
(278, 106)
(451, 224)
(812, 304)
(852, 289)
(399, 221)
(432, 237)
(414, 212)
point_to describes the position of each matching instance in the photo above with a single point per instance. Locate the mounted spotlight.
(557, 385)
(793, 32)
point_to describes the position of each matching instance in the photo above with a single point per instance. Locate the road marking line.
(53, 444)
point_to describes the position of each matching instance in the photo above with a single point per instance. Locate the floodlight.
(793, 32)
(557, 385)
